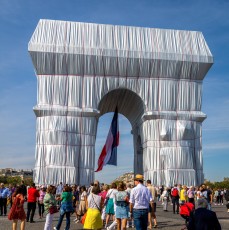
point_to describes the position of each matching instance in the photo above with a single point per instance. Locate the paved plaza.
(166, 220)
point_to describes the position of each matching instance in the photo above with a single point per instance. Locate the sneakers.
(77, 221)
(54, 228)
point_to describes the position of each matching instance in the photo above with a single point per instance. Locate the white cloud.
(217, 146)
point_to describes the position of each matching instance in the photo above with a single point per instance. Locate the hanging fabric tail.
(109, 151)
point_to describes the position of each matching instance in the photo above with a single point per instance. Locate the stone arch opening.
(131, 106)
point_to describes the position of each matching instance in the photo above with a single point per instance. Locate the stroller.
(185, 211)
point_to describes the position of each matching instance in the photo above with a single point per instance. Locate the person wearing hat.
(203, 218)
(140, 198)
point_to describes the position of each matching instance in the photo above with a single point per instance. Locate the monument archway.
(154, 76)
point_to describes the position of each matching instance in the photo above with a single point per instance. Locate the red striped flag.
(109, 151)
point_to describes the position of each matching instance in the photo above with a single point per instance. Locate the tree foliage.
(13, 180)
(3, 179)
(218, 185)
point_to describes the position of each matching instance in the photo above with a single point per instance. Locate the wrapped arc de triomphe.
(155, 78)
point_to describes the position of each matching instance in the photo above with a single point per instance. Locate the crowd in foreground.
(116, 206)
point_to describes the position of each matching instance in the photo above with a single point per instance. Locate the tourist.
(59, 190)
(17, 211)
(49, 201)
(12, 191)
(216, 196)
(103, 194)
(24, 189)
(4, 194)
(186, 210)
(226, 196)
(33, 194)
(207, 194)
(110, 210)
(42, 193)
(66, 207)
(159, 192)
(140, 198)
(94, 206)
(82, 206)
(121, 201)
(130, 221)
(191, 195)
(164, 199)
(175, 198)
(75, 199)
(152, 211)
(221, 197)
(183, 195)
(199, 193)
(203, 218)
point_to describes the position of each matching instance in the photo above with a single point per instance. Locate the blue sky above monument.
(18, 20)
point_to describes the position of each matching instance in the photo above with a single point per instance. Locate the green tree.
(28, 181)
(3, 179)
(13, 180)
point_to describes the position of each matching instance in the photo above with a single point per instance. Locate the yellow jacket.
(183, 195)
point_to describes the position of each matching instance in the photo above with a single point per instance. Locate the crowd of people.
(116, 206)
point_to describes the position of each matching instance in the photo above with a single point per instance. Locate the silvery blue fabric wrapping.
(155, 78)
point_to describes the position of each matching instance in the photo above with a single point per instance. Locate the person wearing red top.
(33, 194)
(185, 211)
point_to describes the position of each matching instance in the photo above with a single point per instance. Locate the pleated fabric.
(155, 78)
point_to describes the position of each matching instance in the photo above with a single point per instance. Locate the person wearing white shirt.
(59, 189)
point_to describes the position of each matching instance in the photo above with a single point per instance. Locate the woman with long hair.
(42, 193)
(110, 203)
(121, 200)
(82, 206)
(103, 194)
(66, 207)
(17, 211)
(49, 200)
(94, 206)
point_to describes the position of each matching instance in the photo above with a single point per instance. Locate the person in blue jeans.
(66, 207)
(140, 198)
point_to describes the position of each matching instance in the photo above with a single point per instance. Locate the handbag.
(53, 209)
(127, 199)
(83, 218)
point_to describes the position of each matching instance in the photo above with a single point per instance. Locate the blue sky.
(18, 20)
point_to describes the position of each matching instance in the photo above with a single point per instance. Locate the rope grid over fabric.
(154, 76)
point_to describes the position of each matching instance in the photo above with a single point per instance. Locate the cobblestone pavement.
(166, 220)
